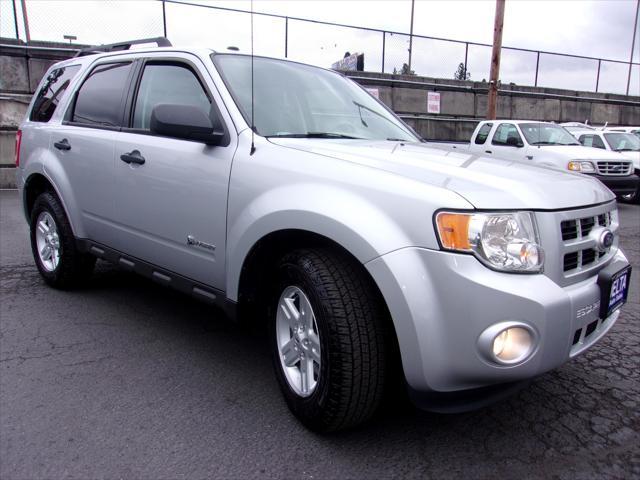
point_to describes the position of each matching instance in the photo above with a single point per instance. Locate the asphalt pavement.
(126, 379)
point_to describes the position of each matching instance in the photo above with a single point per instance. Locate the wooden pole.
(495, 61)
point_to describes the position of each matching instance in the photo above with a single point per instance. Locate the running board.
(160, 275)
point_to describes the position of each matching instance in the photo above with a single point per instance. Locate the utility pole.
(495, 61)
(633, 44)
(413, 2)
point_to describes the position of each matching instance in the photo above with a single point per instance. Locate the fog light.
(512, 345)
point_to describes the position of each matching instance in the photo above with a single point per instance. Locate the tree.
(462, 73)
(404, 70)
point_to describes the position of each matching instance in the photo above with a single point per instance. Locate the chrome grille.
(575, 231)
(614, 168)
(571, 245)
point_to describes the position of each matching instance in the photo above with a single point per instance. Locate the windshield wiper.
(314, 135)
(627, 150)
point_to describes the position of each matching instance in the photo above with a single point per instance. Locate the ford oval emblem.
(606, 240)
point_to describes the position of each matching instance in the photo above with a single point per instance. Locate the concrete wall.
(464, 103)
(21, 69)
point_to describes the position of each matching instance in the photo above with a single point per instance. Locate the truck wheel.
(632, 197)
(328, 339)
(54, 247)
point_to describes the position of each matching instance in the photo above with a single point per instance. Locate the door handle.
(529, 157)
(62, 144)
(132, 157)
(488, 151)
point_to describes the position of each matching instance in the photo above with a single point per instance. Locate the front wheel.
(632, 197)
(328, 339)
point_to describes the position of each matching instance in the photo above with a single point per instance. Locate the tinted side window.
(504, 132)
(51, 92)
(597, 142)
(591, 141)
(483, 133)
(168, 84)
(99, 100)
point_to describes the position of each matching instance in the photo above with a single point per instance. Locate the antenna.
(253, 124)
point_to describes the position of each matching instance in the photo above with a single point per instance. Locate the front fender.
(353, 222)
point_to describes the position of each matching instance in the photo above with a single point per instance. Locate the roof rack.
(115, 47)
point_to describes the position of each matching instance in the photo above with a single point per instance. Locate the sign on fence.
(433, 102)
(353, 62)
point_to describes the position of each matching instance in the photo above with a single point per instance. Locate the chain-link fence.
(309, 41)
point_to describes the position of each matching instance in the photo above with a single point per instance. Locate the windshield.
(623, 142)
(296, 100)
(547, 134)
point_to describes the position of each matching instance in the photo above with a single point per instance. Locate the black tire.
(632, 199)
(73, 267)
(351, 321)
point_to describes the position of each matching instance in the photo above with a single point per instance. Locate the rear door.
(171, 209)
(84, 144)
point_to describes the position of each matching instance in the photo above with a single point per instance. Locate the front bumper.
(620, 185)
(441, 302)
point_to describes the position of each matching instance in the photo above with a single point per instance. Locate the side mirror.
(514, 142)
(184, 121)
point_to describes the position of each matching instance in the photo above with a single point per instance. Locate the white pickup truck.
(549, 145)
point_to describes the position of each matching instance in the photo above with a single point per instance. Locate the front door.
(171, 202)
(507, 143)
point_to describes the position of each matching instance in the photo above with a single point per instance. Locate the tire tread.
(356, 322)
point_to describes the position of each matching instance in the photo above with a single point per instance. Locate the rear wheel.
(328, 339)
(53, 245)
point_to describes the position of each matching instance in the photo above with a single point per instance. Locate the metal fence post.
(25, 19)
(164, 19)
(466, 55)
(535, 84)
(384, 36)
(286, 37)
(633, 44)
(598, 75)
(15, 19)
(411, 36)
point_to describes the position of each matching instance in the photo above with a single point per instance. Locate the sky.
(594, 28)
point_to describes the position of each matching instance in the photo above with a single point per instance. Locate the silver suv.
(377, 263)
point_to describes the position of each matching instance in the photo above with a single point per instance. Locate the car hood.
(484, 182)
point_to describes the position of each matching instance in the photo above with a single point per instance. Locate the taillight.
(18, 142)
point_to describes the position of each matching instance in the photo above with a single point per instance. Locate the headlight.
(504, 241)
(581, 166)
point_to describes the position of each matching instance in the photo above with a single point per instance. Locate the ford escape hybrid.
(331, 223)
